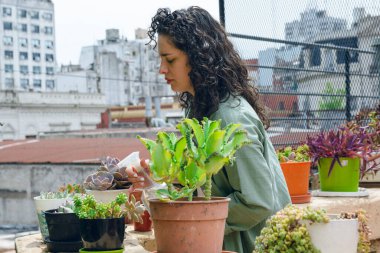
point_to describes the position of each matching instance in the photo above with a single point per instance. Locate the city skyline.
(76, 28)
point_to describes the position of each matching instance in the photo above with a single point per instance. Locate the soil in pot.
(63, 227)
(102, 234)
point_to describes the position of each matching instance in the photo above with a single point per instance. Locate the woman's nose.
(163, 69)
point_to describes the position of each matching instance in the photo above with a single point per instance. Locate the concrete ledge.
(134, 242)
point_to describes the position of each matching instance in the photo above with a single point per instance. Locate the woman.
(200, 63)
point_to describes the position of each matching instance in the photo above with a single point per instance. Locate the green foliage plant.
(294, 154)
(202, 149)
(286, 231)
(332, 102)
(86, 207)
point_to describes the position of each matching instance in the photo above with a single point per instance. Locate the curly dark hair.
(217, 71)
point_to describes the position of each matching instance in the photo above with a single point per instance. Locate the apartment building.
(27, 45)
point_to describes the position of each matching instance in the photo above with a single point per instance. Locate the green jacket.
(254, 182)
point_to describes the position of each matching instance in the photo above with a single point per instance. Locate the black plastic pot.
(63, 227)
(102, 234)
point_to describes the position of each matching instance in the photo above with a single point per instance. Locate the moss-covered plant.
(294, 154)
(202, 149)
(286, 231)
(88, 208)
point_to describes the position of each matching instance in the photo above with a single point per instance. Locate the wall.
(21, 182)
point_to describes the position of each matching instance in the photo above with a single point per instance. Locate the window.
(50, 84)
(23, 42)
(49, 71)
(9, 82)
(36, 43)
(8, 68)
(48, 30)
(7, 25)
(35, 29)
(37, 83)
(22, 27)
(47, 16)
(24, 83)
(36, 57)
(7, 12)
(8, 41)
(36, 70)
(49, 57)
(21, 13)
(24, 69)
(49, 44)
(8, 54)
(23, 56)
(34, 14)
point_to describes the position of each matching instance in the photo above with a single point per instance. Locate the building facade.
(126, 72)
(27, 46)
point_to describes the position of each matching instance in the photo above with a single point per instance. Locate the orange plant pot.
(297, 179)
(189, 226)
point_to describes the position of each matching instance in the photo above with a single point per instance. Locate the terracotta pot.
(146, 225)
(297, 179)
(189, 226)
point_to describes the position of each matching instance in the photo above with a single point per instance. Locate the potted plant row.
(300, 230)
(181, 222)
(295, 164)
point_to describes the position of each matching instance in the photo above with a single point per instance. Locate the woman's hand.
(139, 179)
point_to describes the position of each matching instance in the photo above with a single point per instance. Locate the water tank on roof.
(112, 35)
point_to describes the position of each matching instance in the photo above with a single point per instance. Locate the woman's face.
(174, 65)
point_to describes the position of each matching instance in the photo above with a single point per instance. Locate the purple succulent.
(337, 144)
(100, 180)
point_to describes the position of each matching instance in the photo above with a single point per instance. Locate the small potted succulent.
(295, 164)
(183, 223)
(63, 227)
(338, 154)
(102, 225)
(295, 229)
(108, 181)
(46, 201)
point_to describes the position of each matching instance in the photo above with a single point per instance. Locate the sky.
(83, 22)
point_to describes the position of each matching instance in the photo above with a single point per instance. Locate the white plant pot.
(339, 235)
(106, 196)
(44, 205)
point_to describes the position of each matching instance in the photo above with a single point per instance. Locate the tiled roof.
(90, 150)
(71, 150)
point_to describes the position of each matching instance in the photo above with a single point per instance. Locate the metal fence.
(321, 75)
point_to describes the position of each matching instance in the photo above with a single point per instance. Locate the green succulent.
(295, 154)
(191, 159)
(88, 208)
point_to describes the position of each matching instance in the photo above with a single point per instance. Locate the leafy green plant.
(332, 102)
(294, 154)
(88, 208)
(192, 158)
(286, 231)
